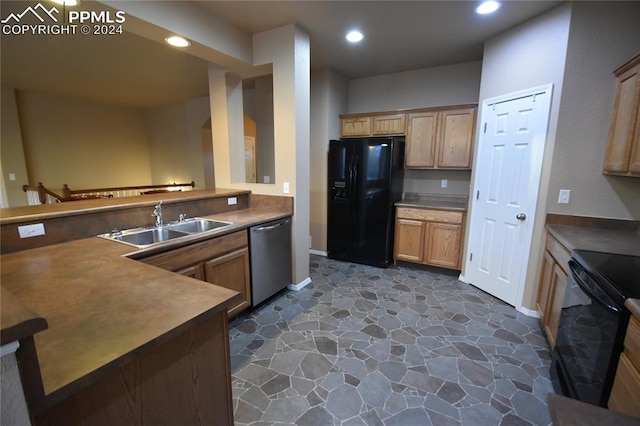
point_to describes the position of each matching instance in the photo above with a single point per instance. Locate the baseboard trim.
(528, 312)
(318, 252)
(302, 284)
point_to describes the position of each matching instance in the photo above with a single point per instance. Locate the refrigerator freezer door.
(340, 202)
(361, 196)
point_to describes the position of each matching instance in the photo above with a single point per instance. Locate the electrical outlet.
(232, 201)
(563, 198)
(28, 231)
(444, 183)
(285, 187)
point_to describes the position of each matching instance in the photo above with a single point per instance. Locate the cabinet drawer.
(183, 257)
(429, 215)
(632, 342)
(559, 252)
(625, 393)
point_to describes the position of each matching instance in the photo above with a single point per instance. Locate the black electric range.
(618, 274)
(593, 323)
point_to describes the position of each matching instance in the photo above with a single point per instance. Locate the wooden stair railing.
(45, 196)
(125, 191)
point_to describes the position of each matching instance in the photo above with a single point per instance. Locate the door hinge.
(470, 257)
(485, 128)
(478, 195)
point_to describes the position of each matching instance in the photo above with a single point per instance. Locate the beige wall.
(83, 144)
(90, 145)
(530, 55)
(287, 48)
(175, 147)
(602, 37)
(576, 47)
(429, 87)
(11, 152)
(328, 100)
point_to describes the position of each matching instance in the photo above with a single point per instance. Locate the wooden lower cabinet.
(180, 381)
(409, 244)
(443, 245)
(430, 237)
(222, 261)
(231, 271)
(625, 393)
(552, 286)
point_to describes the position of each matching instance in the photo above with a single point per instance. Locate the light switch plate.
(285, 187)
(28, 231)
(266, 179)
(564, 196)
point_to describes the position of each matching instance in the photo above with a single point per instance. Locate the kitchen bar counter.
(434, 201)
(104, 308)
(84, 207)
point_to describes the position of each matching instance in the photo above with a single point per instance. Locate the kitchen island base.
(185, 380)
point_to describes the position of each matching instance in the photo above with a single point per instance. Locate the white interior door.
(507, 175)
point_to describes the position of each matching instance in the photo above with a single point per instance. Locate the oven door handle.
(594, 293)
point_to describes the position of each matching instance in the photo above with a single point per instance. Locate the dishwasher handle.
(271, 227)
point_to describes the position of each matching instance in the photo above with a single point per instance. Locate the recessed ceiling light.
(354, 36)
(486, 7)
(177, 41)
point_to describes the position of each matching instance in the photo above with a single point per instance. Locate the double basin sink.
(149, 236)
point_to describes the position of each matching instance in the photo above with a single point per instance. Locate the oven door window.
(589, 324)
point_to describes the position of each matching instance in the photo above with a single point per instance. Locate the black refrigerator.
(365, 180)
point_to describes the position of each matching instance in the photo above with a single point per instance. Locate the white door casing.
(513, 130)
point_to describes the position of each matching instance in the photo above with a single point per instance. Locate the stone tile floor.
(397, 346)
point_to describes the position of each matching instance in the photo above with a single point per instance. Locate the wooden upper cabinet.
(362, 125)
(436, 138)
(456, 138)
(420, 144)
(440, 138)
(355, 126)
(388, 124)
(623, 151)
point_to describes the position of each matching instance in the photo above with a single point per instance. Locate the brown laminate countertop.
(434, 201)
(616, 241)
(103, 307)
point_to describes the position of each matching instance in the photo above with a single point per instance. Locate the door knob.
(521, 216)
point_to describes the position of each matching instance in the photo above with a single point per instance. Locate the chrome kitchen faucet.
(157, 213)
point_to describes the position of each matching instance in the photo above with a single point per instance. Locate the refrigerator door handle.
(354, 186)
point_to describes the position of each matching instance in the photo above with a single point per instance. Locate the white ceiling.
(132, 71)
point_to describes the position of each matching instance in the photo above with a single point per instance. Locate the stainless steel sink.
(146, 237)
(197, 225)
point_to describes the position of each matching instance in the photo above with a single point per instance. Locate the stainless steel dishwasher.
(270, 245)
